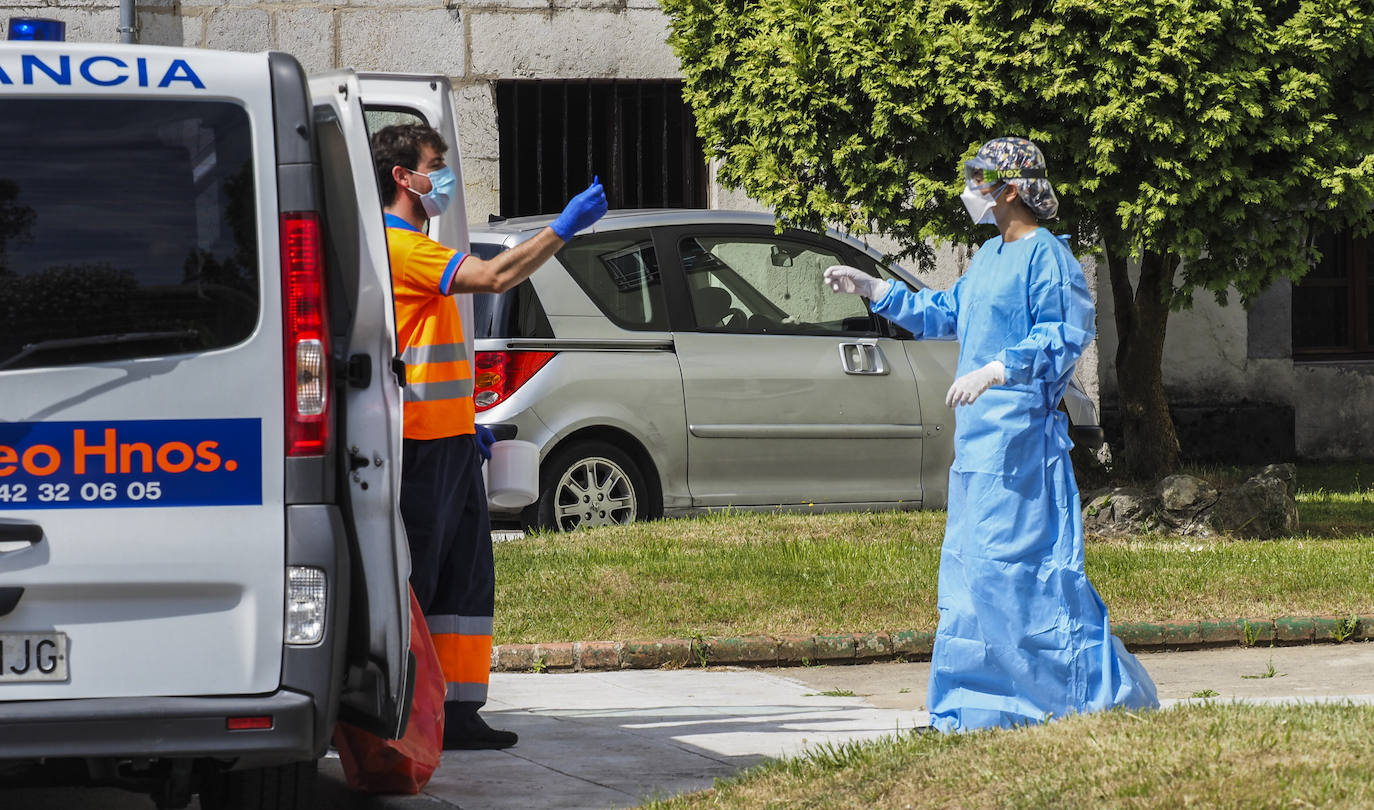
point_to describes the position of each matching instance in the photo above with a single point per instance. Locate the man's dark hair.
(399, 145)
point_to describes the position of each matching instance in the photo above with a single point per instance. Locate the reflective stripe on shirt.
(435, 353)
(438, 391)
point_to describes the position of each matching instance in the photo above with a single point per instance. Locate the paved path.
(609, 739)
(1299, 672)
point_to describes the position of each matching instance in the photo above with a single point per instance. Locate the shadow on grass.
(1344, 477)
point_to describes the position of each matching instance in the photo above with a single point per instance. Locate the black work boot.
(464, 730)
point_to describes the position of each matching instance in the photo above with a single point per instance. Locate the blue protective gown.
(1023, 636)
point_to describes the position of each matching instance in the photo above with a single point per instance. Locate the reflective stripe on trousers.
(464, 647)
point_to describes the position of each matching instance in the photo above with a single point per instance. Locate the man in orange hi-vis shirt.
(443, 500)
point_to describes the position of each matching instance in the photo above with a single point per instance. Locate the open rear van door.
(379, 669)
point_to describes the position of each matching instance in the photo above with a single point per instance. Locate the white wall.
(1205, 347)
(1212, 357)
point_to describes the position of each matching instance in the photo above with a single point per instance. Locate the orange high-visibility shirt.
(438, 390)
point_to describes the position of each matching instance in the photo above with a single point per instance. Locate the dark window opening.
(516, 313)
(128, 228)
(1333, 305)
(638, 136)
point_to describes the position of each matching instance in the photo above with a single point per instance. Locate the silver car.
(671, 362)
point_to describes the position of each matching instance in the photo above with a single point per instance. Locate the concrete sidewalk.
(611, 739)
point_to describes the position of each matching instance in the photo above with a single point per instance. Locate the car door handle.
(16, 535)
(863, 358)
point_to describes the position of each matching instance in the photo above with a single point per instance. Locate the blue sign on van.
(143, 463)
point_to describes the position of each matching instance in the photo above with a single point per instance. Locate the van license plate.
(29, 657)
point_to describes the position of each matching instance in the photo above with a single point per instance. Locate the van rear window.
(127, 229)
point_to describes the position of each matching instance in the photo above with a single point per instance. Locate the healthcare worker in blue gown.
(1023, 636)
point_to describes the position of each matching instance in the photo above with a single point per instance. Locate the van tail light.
(307, 595)
(306, 347)
(500, 374)
(256, 723)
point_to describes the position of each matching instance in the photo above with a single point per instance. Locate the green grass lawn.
(1336, 500)
(1202, 756)
(747, 574)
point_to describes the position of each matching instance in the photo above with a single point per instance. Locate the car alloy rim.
(594, 492)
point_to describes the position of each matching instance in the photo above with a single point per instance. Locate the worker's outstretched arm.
(508, 268)
(925, 313)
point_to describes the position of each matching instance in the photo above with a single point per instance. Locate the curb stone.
(911, 645)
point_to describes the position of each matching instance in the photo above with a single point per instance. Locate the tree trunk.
(1150, 444)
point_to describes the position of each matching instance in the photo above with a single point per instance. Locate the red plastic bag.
(376, 765)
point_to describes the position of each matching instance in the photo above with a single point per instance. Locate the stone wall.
(1224, 361)
(472, 43)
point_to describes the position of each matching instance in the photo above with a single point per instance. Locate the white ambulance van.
(201, 561)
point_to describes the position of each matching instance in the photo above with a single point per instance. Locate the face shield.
(979, 176)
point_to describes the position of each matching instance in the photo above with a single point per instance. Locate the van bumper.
(159, 727)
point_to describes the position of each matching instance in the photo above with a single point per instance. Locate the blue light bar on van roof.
(37, 28)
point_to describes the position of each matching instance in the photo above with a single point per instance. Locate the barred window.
(1332, 312)
(638, 136)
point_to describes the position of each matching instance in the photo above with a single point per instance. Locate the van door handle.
(863, 358)
(16, 535)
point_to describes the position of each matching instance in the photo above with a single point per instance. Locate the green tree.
(1198, 144)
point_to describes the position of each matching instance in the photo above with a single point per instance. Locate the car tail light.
(500, 374)
(306, 348)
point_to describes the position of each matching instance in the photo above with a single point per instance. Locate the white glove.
(845, 279)
(970, 386)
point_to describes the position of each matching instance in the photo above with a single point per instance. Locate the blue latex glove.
(485, 439)
(582, 212)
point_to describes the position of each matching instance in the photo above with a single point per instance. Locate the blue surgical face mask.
(442, 183)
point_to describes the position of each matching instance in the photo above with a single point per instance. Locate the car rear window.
(620, 273)
(515, 313)
(127, 229)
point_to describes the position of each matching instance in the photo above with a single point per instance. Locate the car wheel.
(284, 787)
(589, 484)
